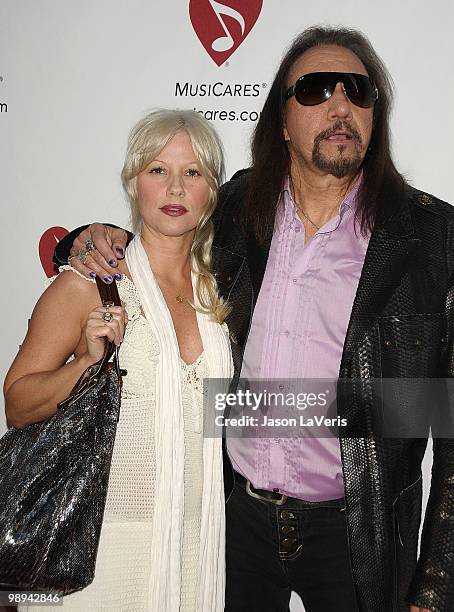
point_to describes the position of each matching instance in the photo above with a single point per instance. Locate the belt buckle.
(276, 502)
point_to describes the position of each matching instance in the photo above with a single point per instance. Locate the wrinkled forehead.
(326, 58)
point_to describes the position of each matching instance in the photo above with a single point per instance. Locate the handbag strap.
(109, 297)
(108, 292)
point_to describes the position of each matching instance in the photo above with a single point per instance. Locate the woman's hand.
(97, 328)
(110, 243)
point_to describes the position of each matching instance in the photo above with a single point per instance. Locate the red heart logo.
(46, 248)
(222, 26)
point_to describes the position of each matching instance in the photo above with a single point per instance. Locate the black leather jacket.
(401, 325)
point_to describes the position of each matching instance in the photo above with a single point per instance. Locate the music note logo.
(222, 26)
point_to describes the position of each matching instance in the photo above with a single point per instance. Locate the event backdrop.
(75, 76)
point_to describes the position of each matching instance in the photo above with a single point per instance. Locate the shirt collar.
(288, 208)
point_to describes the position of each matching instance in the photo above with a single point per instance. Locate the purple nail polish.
(107, 278)
(117, 276)
(113, 262)
(92, 275)
(119, 251)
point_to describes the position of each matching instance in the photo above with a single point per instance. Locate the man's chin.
(340, 166)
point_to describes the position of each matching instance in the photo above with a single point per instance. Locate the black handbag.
(53, 482)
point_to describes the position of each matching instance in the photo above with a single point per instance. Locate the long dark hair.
(270, 156)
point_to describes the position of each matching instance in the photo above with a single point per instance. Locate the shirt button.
(297, 228)
(295, 280)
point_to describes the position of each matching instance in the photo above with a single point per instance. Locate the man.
(334, 267)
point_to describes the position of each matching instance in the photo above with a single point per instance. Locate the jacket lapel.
(227, 266)
(390, 252)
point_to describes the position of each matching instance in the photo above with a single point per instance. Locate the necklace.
(306, 216)
(181, 299)
(300, 208)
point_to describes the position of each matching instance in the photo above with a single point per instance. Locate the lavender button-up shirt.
(298, 330)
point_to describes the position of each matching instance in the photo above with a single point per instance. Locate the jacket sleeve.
(63, 248)
(433, 583)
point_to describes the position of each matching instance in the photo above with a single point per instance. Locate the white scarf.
(169, 444)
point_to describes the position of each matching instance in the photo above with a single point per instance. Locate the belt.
(278, 499)
(267, 496)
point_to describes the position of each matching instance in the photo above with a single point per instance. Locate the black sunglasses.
(317, 87)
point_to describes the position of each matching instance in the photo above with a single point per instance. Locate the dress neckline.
(141, 314)
(194, 363)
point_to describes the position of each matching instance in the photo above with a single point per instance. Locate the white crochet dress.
(123, 570)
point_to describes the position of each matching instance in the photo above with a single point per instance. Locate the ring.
(83, 254)
(69, 259)
(90, 245)
(107, 316)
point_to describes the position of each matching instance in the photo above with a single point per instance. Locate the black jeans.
(274, 550)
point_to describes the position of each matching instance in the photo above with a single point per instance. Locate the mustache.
(339, 125)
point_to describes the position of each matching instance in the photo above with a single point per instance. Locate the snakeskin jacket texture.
(401, 326)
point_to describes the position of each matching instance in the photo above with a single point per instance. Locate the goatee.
(339, 166)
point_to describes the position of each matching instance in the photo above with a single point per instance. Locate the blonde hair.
(146, 139)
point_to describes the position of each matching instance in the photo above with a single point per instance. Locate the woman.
(162, 540)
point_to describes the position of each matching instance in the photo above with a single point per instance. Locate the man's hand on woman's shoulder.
(110, 246)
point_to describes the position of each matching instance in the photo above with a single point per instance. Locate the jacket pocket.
(410, 344)
(407, 519)
(412, 395)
